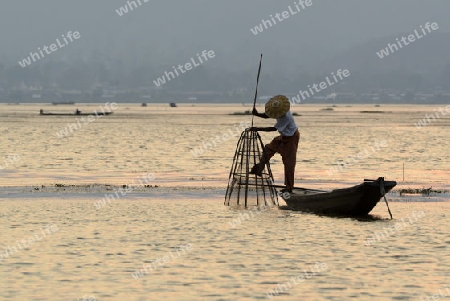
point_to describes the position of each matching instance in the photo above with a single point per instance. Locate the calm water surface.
(233, 254)
(160, 139)
(95, 252)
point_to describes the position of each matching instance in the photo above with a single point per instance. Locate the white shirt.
(286, 125)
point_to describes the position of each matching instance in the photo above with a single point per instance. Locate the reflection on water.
(97, 249)
(159, 139)
(95, 252)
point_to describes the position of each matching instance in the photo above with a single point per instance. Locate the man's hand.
(256, 113)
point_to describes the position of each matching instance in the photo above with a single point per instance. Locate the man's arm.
(262, 115)
(268, 129)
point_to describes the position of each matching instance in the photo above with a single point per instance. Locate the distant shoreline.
(409, 188)
(222, 102)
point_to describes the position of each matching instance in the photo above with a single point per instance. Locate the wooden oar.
(299, 188)
(256, 90)
(281, 186)
(383, 193)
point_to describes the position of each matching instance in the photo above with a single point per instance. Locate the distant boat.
(358, 200)
(144, 104)
(77, 113)
(63, 103)
(173, 105)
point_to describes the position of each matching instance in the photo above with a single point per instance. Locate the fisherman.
(286, 144)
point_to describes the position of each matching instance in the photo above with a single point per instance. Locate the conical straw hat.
(277, 106)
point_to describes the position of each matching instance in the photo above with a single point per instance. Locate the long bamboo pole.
(256, 90)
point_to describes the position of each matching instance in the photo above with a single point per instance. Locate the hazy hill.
(423, 64)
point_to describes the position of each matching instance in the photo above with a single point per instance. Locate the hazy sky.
(174, 31)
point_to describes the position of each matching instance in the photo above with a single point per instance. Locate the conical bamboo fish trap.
(246, 189)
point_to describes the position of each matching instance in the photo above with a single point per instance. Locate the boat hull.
(353, 201)
(74, 114)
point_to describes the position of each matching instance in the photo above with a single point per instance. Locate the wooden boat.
(358, 200)
(63, 103)
(77, 113)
